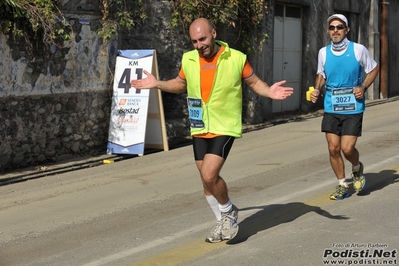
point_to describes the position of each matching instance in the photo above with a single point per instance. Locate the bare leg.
(334, 149)
(211, 180)
(348, 149)
(214, 184)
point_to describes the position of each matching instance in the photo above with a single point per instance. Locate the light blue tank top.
(343, 73)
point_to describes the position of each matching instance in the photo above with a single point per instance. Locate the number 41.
(124, 81)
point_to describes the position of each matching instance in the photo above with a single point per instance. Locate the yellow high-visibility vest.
(222, 114)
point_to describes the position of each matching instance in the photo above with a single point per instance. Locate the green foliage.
(40, 16)
(43, 17)
(116, 15)
(245, 15)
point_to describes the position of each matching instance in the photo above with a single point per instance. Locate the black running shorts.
(220, 145)
(342, 124)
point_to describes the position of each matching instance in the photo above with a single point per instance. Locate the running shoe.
(358, 178)
(229, 224)
(215, 235)
(340, 193)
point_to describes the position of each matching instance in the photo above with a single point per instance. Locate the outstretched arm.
(276, 91)
(175, 85)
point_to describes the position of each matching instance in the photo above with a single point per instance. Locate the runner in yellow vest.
(212, 75)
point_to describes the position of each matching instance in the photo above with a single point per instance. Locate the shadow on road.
(377, 181)
(272, 215)
(275, 214)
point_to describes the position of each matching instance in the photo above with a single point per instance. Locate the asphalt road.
(150, 210)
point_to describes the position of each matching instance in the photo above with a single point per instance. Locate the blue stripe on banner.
(135, 54)
(132, 149)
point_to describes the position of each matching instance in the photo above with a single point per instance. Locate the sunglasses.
(338, 27)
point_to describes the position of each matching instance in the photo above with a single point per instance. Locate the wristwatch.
(363, 87)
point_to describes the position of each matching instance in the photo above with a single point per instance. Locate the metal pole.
(373, 92)
(384, 50)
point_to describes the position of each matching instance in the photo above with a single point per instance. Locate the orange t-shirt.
(208, 70)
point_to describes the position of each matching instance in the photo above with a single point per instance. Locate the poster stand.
(137, 117)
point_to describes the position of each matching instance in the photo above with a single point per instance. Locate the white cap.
(338, 16)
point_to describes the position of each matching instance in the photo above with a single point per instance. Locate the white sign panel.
(129, 105)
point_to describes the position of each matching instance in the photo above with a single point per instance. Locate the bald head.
(201, 24)
(202, 35)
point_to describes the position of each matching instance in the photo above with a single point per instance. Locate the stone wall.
(51, 128)
(55, 101)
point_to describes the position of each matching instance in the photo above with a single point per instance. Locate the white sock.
(226, 207)
(343, 182)
(213, 202)
(356, 167)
